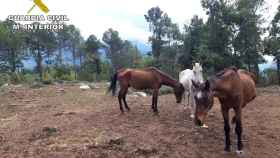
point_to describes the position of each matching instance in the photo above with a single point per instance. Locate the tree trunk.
(257, 70)
(39, 64)
(278, 69)
(249, 63)
(60, 55)
(13, 61)
(74, 61)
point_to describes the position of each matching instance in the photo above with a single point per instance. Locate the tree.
(11, 46)
(129, 55)
(220, 28)
(63, 42)
(194, 43)
(75, 41)
(248, 43)
(41, 44)
(159, 24)
(92, 46)
(272, 42)
(113, 47)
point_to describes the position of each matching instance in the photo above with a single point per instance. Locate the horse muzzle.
(199, 119)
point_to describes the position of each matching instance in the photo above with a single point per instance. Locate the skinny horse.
(147, 78)
(234, 89)
(186, 77)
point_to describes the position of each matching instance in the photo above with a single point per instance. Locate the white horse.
(186, 77)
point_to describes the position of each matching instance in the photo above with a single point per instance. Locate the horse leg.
(188, 98)
(153, 102)
(238, 129)
(120, 96)
(155, 96)
(186, 102)
(124, 100)
(225, 112)
(192, 106)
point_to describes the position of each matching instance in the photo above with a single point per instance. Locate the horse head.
(197, 70)
(204, 100)
(179, 91)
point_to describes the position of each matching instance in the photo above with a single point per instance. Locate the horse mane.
(222, 72)
(160, 72)
(250, 74)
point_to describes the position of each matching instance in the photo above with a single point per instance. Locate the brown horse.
(234, 89)
(148, 78)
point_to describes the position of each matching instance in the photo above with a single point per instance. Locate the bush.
(47, 78)
(270, 76)
(36, 85)
(4, 78)
(29, 78)
(16, 78)
(68, 77)
(63, 72)
(165, 90)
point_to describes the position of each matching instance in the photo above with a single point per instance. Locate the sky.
(125, 16)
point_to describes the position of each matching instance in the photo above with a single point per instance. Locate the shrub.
(4, 78)
(29, 78)
(270, 76)
(165, 90)
(47, 78)
(16, 78)
(68, 77)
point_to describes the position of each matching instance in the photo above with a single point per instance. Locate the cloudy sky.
(126, 16)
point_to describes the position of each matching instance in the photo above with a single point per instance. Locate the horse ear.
(207, 85)
(194, 84)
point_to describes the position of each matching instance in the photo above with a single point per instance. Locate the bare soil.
(64, 121)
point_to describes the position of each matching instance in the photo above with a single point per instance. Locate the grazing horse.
(147, 78)
(234, 89)
(186, 77)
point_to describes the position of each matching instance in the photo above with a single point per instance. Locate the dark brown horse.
(234, 89)
(148, 78)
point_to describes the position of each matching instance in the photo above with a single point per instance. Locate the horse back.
(139, 78)
(248, 84)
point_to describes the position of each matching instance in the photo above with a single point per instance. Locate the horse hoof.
(227, 149)
(239, 152)
(192, 116)
(204, 126)
(156, 114)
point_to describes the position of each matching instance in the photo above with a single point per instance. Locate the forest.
(232, 34)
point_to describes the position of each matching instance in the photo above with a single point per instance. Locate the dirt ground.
(63, 121)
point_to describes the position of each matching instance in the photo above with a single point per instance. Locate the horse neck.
(198, 77)
(168, 81)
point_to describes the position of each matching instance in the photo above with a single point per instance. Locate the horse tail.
(113, 84)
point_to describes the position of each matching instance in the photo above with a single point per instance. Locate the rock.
(93, 86)
(107, 139)
(5, 85)
(84, 86)
(146, 149)
(138, 94)
(204, 126)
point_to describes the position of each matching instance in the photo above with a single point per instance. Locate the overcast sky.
(125, 16)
